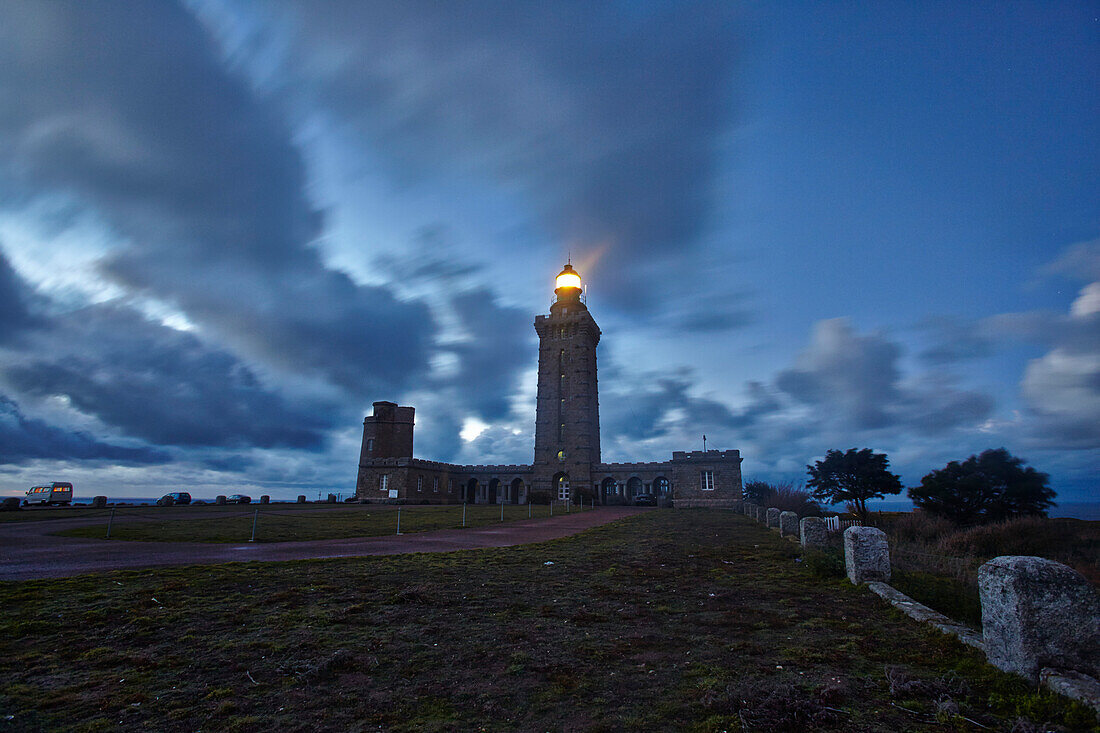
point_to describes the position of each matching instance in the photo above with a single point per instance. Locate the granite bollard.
(1038, 613)
(219, 500)
(301, 498)
(332, 498)
(788, 524)
(866, 555)
(773, 517)
(99, 502)
(813, 532)
(265, 499)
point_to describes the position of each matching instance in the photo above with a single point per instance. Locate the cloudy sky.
(226, 228)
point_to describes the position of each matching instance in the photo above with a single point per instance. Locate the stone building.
(567, 462)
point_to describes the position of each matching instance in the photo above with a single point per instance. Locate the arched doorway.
(609, 490)
(633, 487)
(662, 486)
(471, 491)
(561, 486)
(515, 490)
(494, 490)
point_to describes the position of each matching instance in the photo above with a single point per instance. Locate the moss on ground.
(671, 620)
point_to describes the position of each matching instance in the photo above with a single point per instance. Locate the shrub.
(787, 498)
(783, 496)
(824, 563)
(1071, 541)
(919, 527)
(757, 491)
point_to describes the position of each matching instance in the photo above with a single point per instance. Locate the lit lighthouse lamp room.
(568, 279)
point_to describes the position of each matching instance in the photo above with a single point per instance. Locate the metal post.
(463, 514)
(528, 508)
(551, 507)
(399, 519)
(110, 521)
(255, 521)
(502, 511)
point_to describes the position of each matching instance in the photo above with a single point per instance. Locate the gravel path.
(27, 550)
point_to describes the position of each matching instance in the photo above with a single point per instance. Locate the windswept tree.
(852, 477)
(988, 487)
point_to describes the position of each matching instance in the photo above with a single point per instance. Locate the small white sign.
(393, 493)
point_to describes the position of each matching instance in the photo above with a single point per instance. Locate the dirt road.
(27, 550)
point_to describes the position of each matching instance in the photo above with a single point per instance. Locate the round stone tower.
(567, 412)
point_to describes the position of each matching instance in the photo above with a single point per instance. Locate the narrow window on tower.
(419, 483)
(435, 484)
(561, 456)
(370, 445)
(383, 482)
(561, 432)
(706, 480)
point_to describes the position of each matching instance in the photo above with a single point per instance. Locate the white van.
(56, 493)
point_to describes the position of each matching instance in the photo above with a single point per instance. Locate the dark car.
(179, 497)
(645, 500)
(239, 499)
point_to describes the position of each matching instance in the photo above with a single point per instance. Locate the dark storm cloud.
(844, 387)
(126, 107)
(658, 405)
(161, 385)
(954, 340)
(489, 344)
(14, 313)
(1062, 388)
(856, 374)
(857, 381)
(606, 117)
(24, 439)
(497, 350)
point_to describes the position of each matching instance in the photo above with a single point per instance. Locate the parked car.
(56, 493)
(239, 499)
(178, 497)
(645, 500)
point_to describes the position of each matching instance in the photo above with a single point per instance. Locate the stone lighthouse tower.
(567, 412)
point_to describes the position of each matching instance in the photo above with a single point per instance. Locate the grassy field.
(276, 525)
(671, 620)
